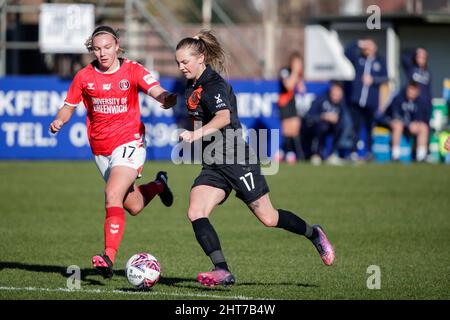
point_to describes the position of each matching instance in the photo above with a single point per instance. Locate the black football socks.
(209, 241)
(290, 222)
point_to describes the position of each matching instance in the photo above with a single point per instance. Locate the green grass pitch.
(396, 217)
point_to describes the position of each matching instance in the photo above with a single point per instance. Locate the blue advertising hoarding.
(29, 104)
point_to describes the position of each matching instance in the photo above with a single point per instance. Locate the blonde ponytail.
(207, 44)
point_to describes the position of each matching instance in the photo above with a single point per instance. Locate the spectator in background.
(325, 118)
(370, 73)
(415, 65)
(291, 82)
(409, 111)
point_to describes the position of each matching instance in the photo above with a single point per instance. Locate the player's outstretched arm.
(166, 98)
(62, 117)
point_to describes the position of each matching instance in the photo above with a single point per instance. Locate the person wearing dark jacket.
(408, 112)
(370, 73)
(325, 118)
(415, 65)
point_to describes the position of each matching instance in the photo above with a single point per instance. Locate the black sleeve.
(382, 75)
(314, 112)
(216, 98)
(351, 52)
(407, 60)
(422, 113)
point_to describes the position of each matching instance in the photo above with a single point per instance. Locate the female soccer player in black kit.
(212, 106)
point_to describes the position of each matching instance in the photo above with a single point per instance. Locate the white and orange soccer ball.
(143, 270)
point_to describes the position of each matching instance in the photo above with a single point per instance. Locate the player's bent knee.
(270, 221)
(134, 210)
(267, 219)
(194, 214)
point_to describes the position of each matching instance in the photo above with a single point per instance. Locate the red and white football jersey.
(112, 103)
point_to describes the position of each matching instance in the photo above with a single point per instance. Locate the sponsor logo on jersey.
(109, 105)
(194, 98)
(124, 84)
(106, 86)
(218, 100)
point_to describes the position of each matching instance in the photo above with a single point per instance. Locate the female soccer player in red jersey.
(212, 106)
(109, 89)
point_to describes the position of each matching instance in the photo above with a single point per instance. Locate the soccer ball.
(143, 270)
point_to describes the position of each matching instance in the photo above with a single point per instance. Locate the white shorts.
(131, 154)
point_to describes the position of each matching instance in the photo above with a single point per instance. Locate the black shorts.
(288, 111)
(246, 180)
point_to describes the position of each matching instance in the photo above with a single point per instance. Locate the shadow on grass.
(85, 273)
(292, 284)
(190, 283)
(199, 287)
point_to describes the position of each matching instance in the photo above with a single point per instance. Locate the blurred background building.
(257, 34)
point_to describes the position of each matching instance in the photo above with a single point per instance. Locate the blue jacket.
(419, 75)
(321, 105)
(359, 95)
(407, 111)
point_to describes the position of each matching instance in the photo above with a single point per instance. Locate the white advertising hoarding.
(63, 28)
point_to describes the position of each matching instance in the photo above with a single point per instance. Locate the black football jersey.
(206, 96)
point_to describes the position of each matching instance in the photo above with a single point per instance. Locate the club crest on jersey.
(124, 84)
(194, 98)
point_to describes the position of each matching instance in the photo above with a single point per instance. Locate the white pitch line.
(196, 295)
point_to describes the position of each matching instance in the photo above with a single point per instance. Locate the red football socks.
(150, 190)
(113, 230)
